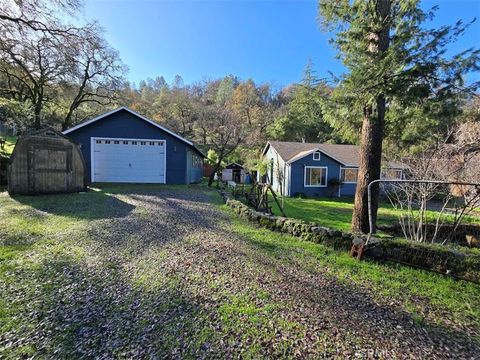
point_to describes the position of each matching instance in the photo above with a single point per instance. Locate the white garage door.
(128, 160)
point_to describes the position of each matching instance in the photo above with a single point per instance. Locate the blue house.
(317, 170)
(123, 146)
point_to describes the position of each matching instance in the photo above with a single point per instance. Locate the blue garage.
(125, 147)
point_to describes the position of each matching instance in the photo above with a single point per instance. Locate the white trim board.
(315, 167)
(265, 148)
(309, 152)
(340, 182)
(131, 112)
(348, 168)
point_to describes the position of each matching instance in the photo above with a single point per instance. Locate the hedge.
(427, 256)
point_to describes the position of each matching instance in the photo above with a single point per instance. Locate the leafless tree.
(39, 15)
(96, 71)
(46, 61)
(225, 131)
(455, 160)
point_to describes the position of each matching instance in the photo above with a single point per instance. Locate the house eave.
(296, 157)
(151, 122)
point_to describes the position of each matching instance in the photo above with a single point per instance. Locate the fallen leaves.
(172, 280)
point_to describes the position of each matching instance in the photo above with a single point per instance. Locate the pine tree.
(391, 58)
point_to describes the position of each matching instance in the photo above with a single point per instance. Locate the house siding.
(348, 189)
(279, 170)
(195, 172)
(123, 124)
(295, 170)
(298, 176)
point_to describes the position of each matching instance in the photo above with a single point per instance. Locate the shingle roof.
(346, 154)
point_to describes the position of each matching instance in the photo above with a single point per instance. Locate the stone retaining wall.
(426, 256)
(464, 235)
(298, 228)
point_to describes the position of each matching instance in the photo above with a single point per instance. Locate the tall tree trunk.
(370, 167)
(372, 135)
(67, 121)
(37, 114)
(215, 170)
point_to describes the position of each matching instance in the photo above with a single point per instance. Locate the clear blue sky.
(268, 41)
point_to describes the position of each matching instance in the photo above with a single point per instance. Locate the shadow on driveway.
(89, 205)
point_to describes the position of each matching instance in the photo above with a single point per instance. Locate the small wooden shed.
(234, 172)
(46, 161)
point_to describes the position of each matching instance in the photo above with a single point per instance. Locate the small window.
(134, 143)
(98, 141)
(315, 176)
(392, 174)
(316, 155)
(197, 161)
(107, 141)
(349, 175)
(160, 143)
(143, 143)
(125, 142)
(152, 143)
(116, 142)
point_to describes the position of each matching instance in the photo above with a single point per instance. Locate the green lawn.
(336, 213)
(9, 144)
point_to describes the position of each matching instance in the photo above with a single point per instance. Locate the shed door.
(50, 168)
(128, 160)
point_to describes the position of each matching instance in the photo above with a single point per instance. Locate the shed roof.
(234, 166)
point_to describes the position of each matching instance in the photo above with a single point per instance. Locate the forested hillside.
(56, 73)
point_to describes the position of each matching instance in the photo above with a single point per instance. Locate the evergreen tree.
(304, 119)
(391, 59)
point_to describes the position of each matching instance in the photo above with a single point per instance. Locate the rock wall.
(426, 256)
(298, 228)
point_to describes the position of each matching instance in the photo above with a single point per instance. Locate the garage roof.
(100, 117)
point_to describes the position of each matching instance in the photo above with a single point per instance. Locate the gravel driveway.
(164, 276)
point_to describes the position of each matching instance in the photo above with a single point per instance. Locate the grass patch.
(66, 291)
(336, 213)
(10, 142)
(421, 293)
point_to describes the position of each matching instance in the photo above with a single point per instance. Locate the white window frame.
(348, 168)
(315, 167)
(392, 169)
(319, 155)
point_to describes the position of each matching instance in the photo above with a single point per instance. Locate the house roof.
(124, 108)
(234, 166)
(290, 151)
(347, 155)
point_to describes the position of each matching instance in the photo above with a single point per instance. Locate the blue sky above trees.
(264, 40)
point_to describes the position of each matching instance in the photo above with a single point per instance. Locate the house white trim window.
(316, 156)
(348, 175)
(315, 176)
